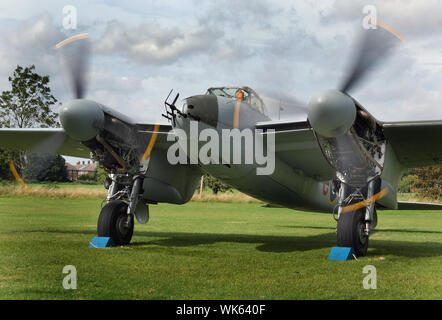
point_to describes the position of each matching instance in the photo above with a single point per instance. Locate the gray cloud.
(414, 19)
(151, 43)
(237, 14)
(32, 42)
(284, 48)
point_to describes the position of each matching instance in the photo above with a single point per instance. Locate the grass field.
(210, 250)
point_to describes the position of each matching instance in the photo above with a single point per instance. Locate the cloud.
(286, 48)
(257, 14)
(412, 18)
(150, 43)
(31, 42)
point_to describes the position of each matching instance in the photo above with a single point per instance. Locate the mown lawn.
(209, 250)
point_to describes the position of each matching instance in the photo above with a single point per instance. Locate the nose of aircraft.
(82, 119)
(204, 108)
(331, 113)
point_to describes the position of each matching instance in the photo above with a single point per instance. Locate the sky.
(143, 49)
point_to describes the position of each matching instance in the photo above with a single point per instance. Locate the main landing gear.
(351, 232)
(355, 221)
(116, 219)
(112, 222)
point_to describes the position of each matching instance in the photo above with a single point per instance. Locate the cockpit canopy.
(246, 94)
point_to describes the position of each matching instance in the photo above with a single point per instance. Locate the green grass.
(207, 250)
(415, 197)
(67, 185)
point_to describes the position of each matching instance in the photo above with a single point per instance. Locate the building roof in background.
(82, 166)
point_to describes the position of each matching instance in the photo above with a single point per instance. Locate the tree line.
(30, 104)
(426, 182)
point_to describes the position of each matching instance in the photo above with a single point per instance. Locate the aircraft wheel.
(351, 232)
(112, 223)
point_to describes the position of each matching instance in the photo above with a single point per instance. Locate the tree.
(215, 184)
(407, 183)
(101, 174)
(45, 167)
(429, 182)
(5, 158)
(28, 104)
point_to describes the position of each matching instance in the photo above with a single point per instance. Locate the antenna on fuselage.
(171, 115)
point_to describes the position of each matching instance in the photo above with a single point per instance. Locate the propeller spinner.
(331, 113)
(81, 119)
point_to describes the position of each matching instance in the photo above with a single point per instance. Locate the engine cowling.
(82, 119)
(349, 137)
(331, 113)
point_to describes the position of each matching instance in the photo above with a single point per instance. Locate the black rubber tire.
(110, 223)
(350, 226)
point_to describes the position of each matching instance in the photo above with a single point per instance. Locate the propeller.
(83, 119)
(51, 144)
(283, 105)
(332, 112)
(374, 46)
(75, 56)
(48, 147)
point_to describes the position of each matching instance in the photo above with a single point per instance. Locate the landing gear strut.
(117, 216)
(133, 199)
(127, 164)
(354, 226)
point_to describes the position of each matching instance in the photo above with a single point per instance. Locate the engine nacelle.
(350, 138)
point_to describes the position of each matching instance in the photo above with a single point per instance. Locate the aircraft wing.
(296, 145)
(416, 144)
(402, 205)
(40, 139)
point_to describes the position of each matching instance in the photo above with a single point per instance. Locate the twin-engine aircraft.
(340, 160)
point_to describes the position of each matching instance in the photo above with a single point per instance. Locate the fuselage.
(283, 186)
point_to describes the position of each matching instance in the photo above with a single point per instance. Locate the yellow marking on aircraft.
(390, 29)
(72, 39)
(366, 202)
(239, 97)
(17, 176)
(152, 141)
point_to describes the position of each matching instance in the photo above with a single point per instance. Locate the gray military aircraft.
(340, 160)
